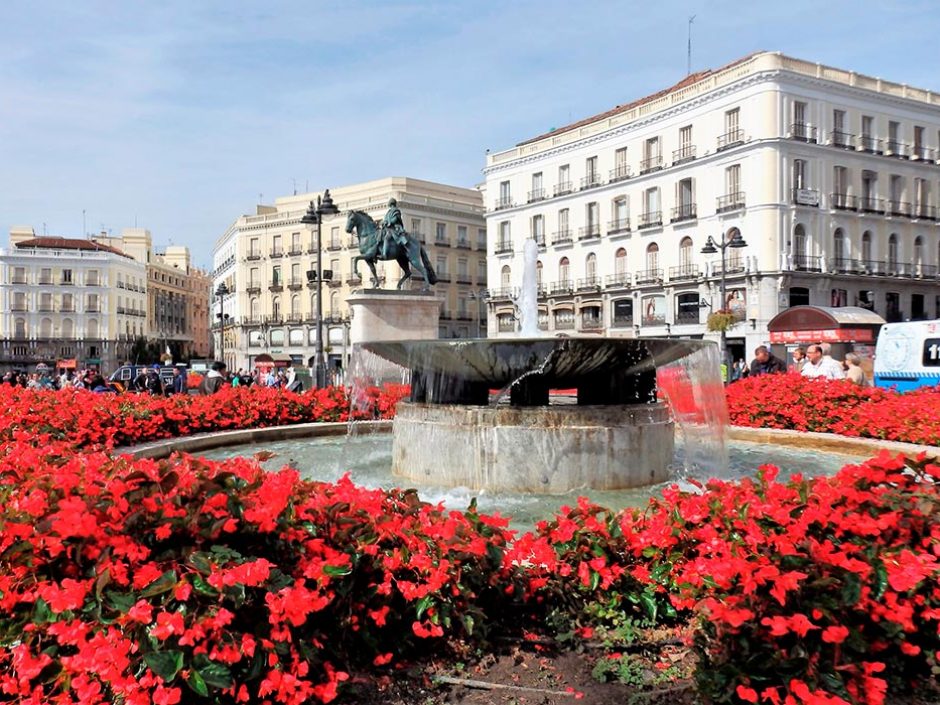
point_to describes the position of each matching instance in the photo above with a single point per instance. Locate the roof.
(687, 81)
(68, 243)
(823, 318)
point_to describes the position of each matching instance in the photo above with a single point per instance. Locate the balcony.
(732, 138)
(843, 140)
(653, 163)
(805, 197)
(442, 241)
(683, 154)
(276, 285)
(901, 208)
(251, 321)
(464, 278)
(649, 276)
(312, 249)
(562, 237)
(563, 188)
(730, 202)
(589, 232)
(539, 238)
(591, 181)
(685, 211)
(502, 203)
(564, 324)
(503, 247)
(620, 173)
(924, 212)
(846, 266)
(18, 280)
(564, 286)
(443, 277)
(295, 251)
(684, 272)
(293, 318)
(616, 227)
(93, 309)
(46, 308)
(536, 195)
(66, 282)
(353, 279)
(274, 320)
(277, 252)
(921, 153)
(807, 263)
(253, 288)
(843, 202)
(731, 266)
(501, 294)
(925, 271)
(803, 132)
(652, 219)
(591, 323)
(335, 245)
(869, 144)
(893, 148)
(621, 321)
(463, 244)
(620, 280)
(688, 318)
(653, 320)
(67, 308)
(868, 204)
(252, 256)
(295, 284)
(91, 281)
(45, 281)
(589, 284)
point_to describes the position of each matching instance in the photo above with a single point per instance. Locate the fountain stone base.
(544, 449)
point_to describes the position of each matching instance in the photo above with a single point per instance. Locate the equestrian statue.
(392, 242)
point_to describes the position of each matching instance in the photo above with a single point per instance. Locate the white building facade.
(68, 303)
(267, 260)
(831, 178)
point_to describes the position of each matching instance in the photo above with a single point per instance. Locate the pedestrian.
(765, 362)
(214, 379)
(154, 383)
(818, 366)
(854, 373)
(799, 358)
(179, 381)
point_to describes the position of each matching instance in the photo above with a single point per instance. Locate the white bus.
(907, 355)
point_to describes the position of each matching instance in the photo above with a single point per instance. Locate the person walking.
(214, 379)
(854, 373)
(799, 359)
(765, 362)
(818, 366)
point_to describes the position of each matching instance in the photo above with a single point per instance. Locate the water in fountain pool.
(368, 459)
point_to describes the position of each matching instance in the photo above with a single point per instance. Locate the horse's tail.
(425, 260)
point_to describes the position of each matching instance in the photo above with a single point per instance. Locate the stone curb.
(208, 441)
(828, 442)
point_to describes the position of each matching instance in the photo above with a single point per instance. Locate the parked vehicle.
(907, 355)
(122, 379)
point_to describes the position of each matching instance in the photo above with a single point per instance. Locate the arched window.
(799, 245)
(866, 247)
(294, 305)
(254, 308)
(19, 328)
(564, 269)
(838, 247)
(538, 274)
(590, 266)
(68, 328)
(334, 303)
(893, 252)
(93, 328)
(276, 307)
(685, 254)
(505, 276)
(652, 257)
(620, 261)
(45, 328)
(918, 251)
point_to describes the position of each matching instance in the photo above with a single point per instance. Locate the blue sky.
(176, 115)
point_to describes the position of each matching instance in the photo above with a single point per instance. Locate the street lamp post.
(314, 216)
(711, 247)
(221, 292)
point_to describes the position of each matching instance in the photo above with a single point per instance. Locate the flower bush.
(791, 401)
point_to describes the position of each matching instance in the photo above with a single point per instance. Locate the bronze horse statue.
(409, 255)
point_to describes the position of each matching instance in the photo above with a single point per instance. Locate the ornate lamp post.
(221, 292)
(314, 216)
(711, 247)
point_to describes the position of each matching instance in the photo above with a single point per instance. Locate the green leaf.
(120, 601)
(165, 664)
(164, 583)
(851, 589)
(468, 623)
(595, 580)
(200, 561)
(337, 570)
(881, 581)
(217, 675)
(422, 605)
(197, 683)
(203, 588)
(649, 605)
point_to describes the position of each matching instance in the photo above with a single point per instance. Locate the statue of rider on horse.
(393, 230)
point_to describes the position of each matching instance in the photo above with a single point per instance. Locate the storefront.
(846, 329)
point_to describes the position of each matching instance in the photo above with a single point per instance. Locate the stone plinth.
(548, 450)
(381, 314)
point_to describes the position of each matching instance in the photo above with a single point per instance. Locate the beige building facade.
(832, 179)
(266, 261)
(68, 302)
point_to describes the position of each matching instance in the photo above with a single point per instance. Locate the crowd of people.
(813, 361)
(89, 379)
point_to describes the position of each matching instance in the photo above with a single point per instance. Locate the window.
(481, 238)
(276, 248)
(838, 247)
(564, 179)
(295, 272)
(335, 242)
(416, 229)
(652, 257)
(295, 306)
(590, 170)
(538, 274)
(869, 190)
(505, 239)
(620, 215)
(799, 173)
(685, 255)
(799, 296)
(254, 249)
(651, 201)
(918, 308)
(564, 319)
(505, 276)
(799, 114)
(869, 143)
(276, 275)
(505, 197)
(563, 269)
(686, 148)
(866, 247)
(894, 131)
(538, 229)
(462, 240)
(919, 151)
(839, 298)
(295, 243)
(441, 265)
(276, 307)
(918, 253)
(621, 170)
(892, 253)
(45, 275)
(592, 216)
(537, 184)
(563, 220)
(733, 180)
(590, 267)
(66, 276)
(621, 312)
(652, 155)
(620, 261)
(440, 235)
(732, 121)
(838, 121)
(685, 200)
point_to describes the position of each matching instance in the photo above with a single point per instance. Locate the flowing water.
(367, 458)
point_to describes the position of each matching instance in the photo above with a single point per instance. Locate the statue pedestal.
(383, 314)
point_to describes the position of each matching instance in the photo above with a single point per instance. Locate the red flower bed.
(107, 420)
(791, 401)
